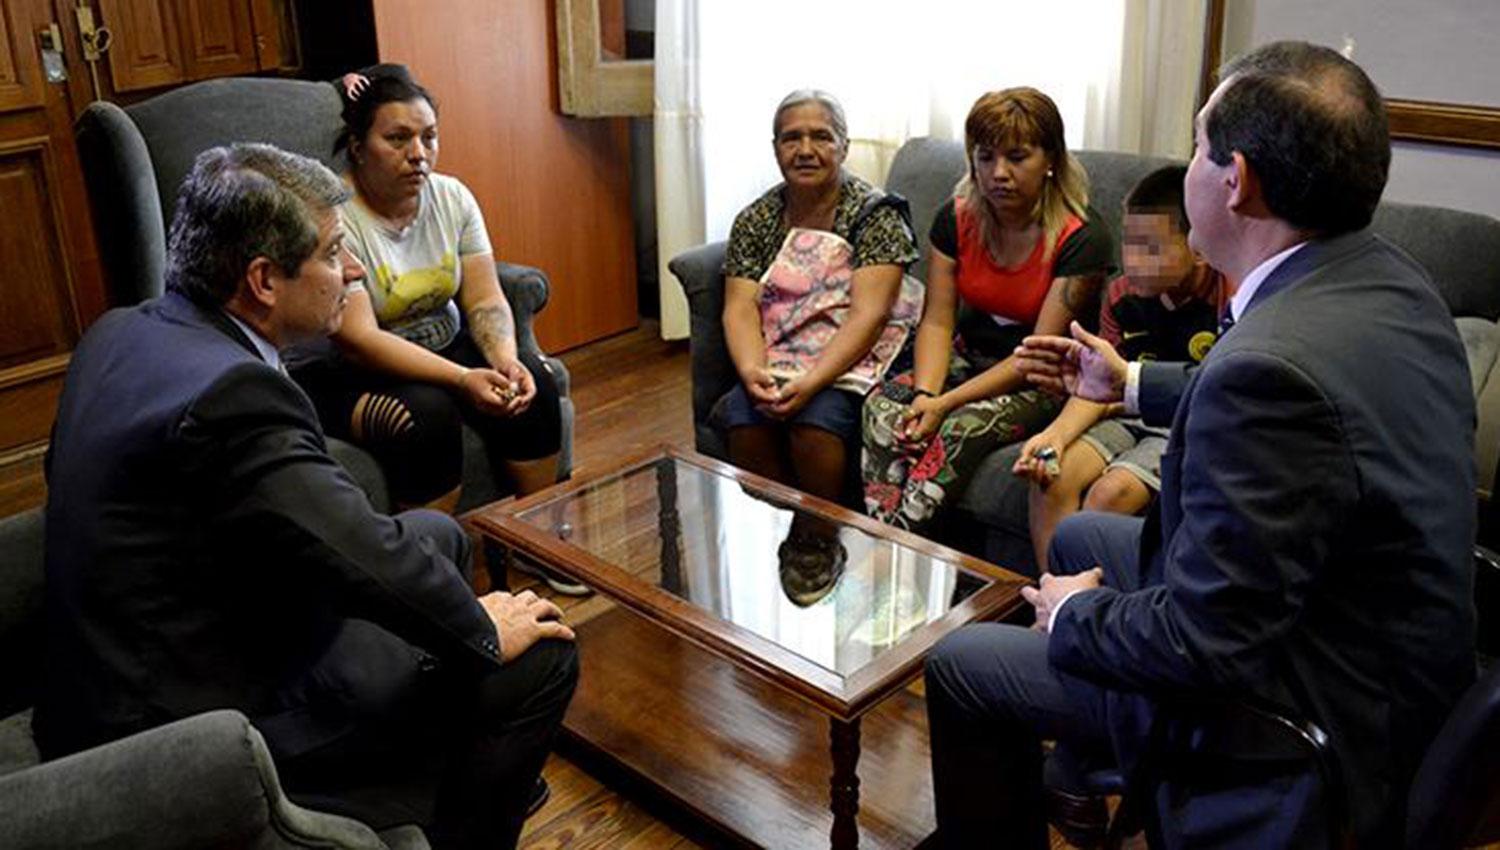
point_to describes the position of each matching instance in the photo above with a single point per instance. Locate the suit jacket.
(1315, 529)
(202, 547)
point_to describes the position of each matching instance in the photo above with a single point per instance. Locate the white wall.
(1440, 50)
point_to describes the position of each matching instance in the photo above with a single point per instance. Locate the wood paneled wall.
(555, 190)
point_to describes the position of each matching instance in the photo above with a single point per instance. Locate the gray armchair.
(205, 781)
(135, 158)
(1460, 250)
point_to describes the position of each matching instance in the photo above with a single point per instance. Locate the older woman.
(1014, 251)
(428, 340)
(814, 303)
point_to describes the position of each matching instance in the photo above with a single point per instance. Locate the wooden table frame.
(844, 699)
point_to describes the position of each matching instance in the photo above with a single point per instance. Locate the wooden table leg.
(845, 784)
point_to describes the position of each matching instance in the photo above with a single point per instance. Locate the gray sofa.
(1460, 250)
(206, 781)
(135, 158)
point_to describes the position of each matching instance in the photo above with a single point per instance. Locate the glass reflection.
(829, 592)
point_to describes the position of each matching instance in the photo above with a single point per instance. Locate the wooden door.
(51, 286)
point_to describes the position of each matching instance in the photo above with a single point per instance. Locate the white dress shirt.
(267, 351)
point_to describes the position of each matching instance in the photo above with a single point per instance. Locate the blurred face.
(310, 304)
(1206, 194)
(1010, 176)
(400, 151)
(1156, 254)
(808, 151)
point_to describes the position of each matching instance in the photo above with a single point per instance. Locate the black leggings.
(414, 429)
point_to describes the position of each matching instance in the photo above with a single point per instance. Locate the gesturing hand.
(1085, 366)
(522, 620)
(1053, 589)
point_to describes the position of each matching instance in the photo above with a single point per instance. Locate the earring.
(1049, 172)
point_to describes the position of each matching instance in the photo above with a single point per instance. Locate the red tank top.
(1014, 293)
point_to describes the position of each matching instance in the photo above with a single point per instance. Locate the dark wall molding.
(1444, 123)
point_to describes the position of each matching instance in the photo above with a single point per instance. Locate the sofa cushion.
(997, 497)
(925, 172)
(1460, 250)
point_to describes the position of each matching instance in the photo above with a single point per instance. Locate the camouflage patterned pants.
(906, 485)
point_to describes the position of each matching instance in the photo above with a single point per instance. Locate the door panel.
(146, 51)
(39, 319)
(20, 69)
(218, 38)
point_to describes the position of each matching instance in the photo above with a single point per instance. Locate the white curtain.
(1123, 74)
(1146, 106)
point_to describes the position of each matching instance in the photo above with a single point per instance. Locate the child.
(1165, 307)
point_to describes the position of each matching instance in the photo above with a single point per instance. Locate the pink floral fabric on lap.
(805, 297)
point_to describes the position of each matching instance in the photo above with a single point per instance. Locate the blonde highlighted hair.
(1023, 116)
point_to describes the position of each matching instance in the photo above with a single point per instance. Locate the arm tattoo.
(1078, 293)
(492, 327)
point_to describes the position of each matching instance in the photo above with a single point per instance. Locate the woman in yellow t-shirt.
(428, 339)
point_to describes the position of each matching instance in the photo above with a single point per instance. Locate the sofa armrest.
(206, 781)
(701, 274)
(527, 289)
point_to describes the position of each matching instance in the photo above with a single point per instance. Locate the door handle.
(96, 39)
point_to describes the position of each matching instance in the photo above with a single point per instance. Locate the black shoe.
(1082, 819)
(540, 793)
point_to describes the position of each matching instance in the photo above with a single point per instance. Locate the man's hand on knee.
(523, 619)
(1053, 591)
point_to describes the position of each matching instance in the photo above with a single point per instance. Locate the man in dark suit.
(204, 551)
(1311, 545)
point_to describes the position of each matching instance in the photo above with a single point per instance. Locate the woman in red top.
(1012, 253)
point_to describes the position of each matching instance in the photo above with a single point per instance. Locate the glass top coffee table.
(824, 605)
